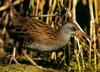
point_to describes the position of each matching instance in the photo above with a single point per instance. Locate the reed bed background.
(81, 53)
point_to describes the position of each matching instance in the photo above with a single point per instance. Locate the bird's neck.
(63, 35)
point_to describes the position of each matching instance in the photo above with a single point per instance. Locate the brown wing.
(32, 29)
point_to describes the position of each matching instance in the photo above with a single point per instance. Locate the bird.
(36, 35)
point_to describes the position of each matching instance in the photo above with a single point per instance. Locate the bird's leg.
(30, 54)
(33, 63)
(13, 56)
(25, 54)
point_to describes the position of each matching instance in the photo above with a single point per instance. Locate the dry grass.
(85, 54)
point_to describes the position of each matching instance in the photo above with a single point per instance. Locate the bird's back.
(30, 27)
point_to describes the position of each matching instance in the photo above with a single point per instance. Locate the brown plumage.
(37, 35)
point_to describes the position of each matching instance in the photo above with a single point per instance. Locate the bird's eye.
(73, 28)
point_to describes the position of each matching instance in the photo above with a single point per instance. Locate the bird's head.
(71, 29)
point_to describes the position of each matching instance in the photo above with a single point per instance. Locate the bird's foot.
(32, 62)
(40, 67)
(12, 58)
